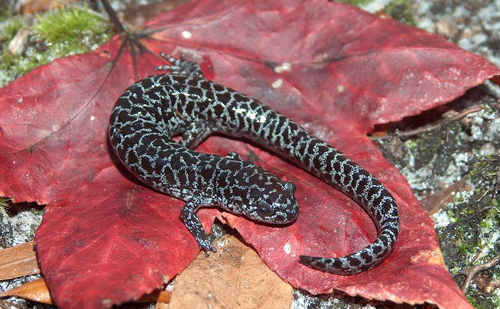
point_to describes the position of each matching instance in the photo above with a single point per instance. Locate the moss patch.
(355, 2)
(72, 31)
(471, 238)
(469, 227)
(10, 29)
(401, 11)
(6, 10)
(55, 34)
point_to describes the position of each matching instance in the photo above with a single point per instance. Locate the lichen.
(468, 226)
(428, 156)
(472, 238)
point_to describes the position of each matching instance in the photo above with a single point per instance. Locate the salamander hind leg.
(193, 224)
(180, 66)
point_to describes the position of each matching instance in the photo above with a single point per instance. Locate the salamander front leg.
(193, 224)
(180, 66)
(234, 155)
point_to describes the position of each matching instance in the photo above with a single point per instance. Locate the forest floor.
(449, 156)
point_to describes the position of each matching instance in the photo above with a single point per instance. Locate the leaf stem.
(118, 25)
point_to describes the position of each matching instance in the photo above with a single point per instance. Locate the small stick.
(477, 269)
(119, 28)
(433, 127)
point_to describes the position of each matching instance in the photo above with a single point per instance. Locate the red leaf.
(108, 238)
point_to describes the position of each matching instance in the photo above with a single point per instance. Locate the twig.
(482, 196)
(478, 253)
(497, 184)
(477, 269)
(119, 28)
(433, 127)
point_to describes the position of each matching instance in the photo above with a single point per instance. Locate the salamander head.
(262, 196)
(275, 204)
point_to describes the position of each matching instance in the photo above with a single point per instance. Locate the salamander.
(154, 110)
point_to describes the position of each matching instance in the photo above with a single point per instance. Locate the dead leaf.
(38, 291)
(18, 261)
(33, 6)
(34, 290)
(161, 305)
(434, 202)
(234, 277)
(156, 296)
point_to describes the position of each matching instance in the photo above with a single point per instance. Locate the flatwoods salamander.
(153, 110)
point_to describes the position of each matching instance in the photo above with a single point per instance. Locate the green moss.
(401, 11)
(10, 29)
(428, 147)
(478, 167)
(71, 31)
(410, 144)
(56, 34)
(468, 226)
(355, 2)
(479, 301)
(473, 229)
(472, 301)
(6, 10)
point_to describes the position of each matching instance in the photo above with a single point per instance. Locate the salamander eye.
(290, 187)
(264, 209)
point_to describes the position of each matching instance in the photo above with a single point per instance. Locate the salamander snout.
(278, 205)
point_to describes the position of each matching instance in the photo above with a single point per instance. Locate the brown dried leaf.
(33, 6)
(434, 202)
(483, 282)
(38, 291)
(162, 297)
(18, 261)
(161, 305)
(35, 290)
(234, 277)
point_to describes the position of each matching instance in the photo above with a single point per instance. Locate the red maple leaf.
(106, 239)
